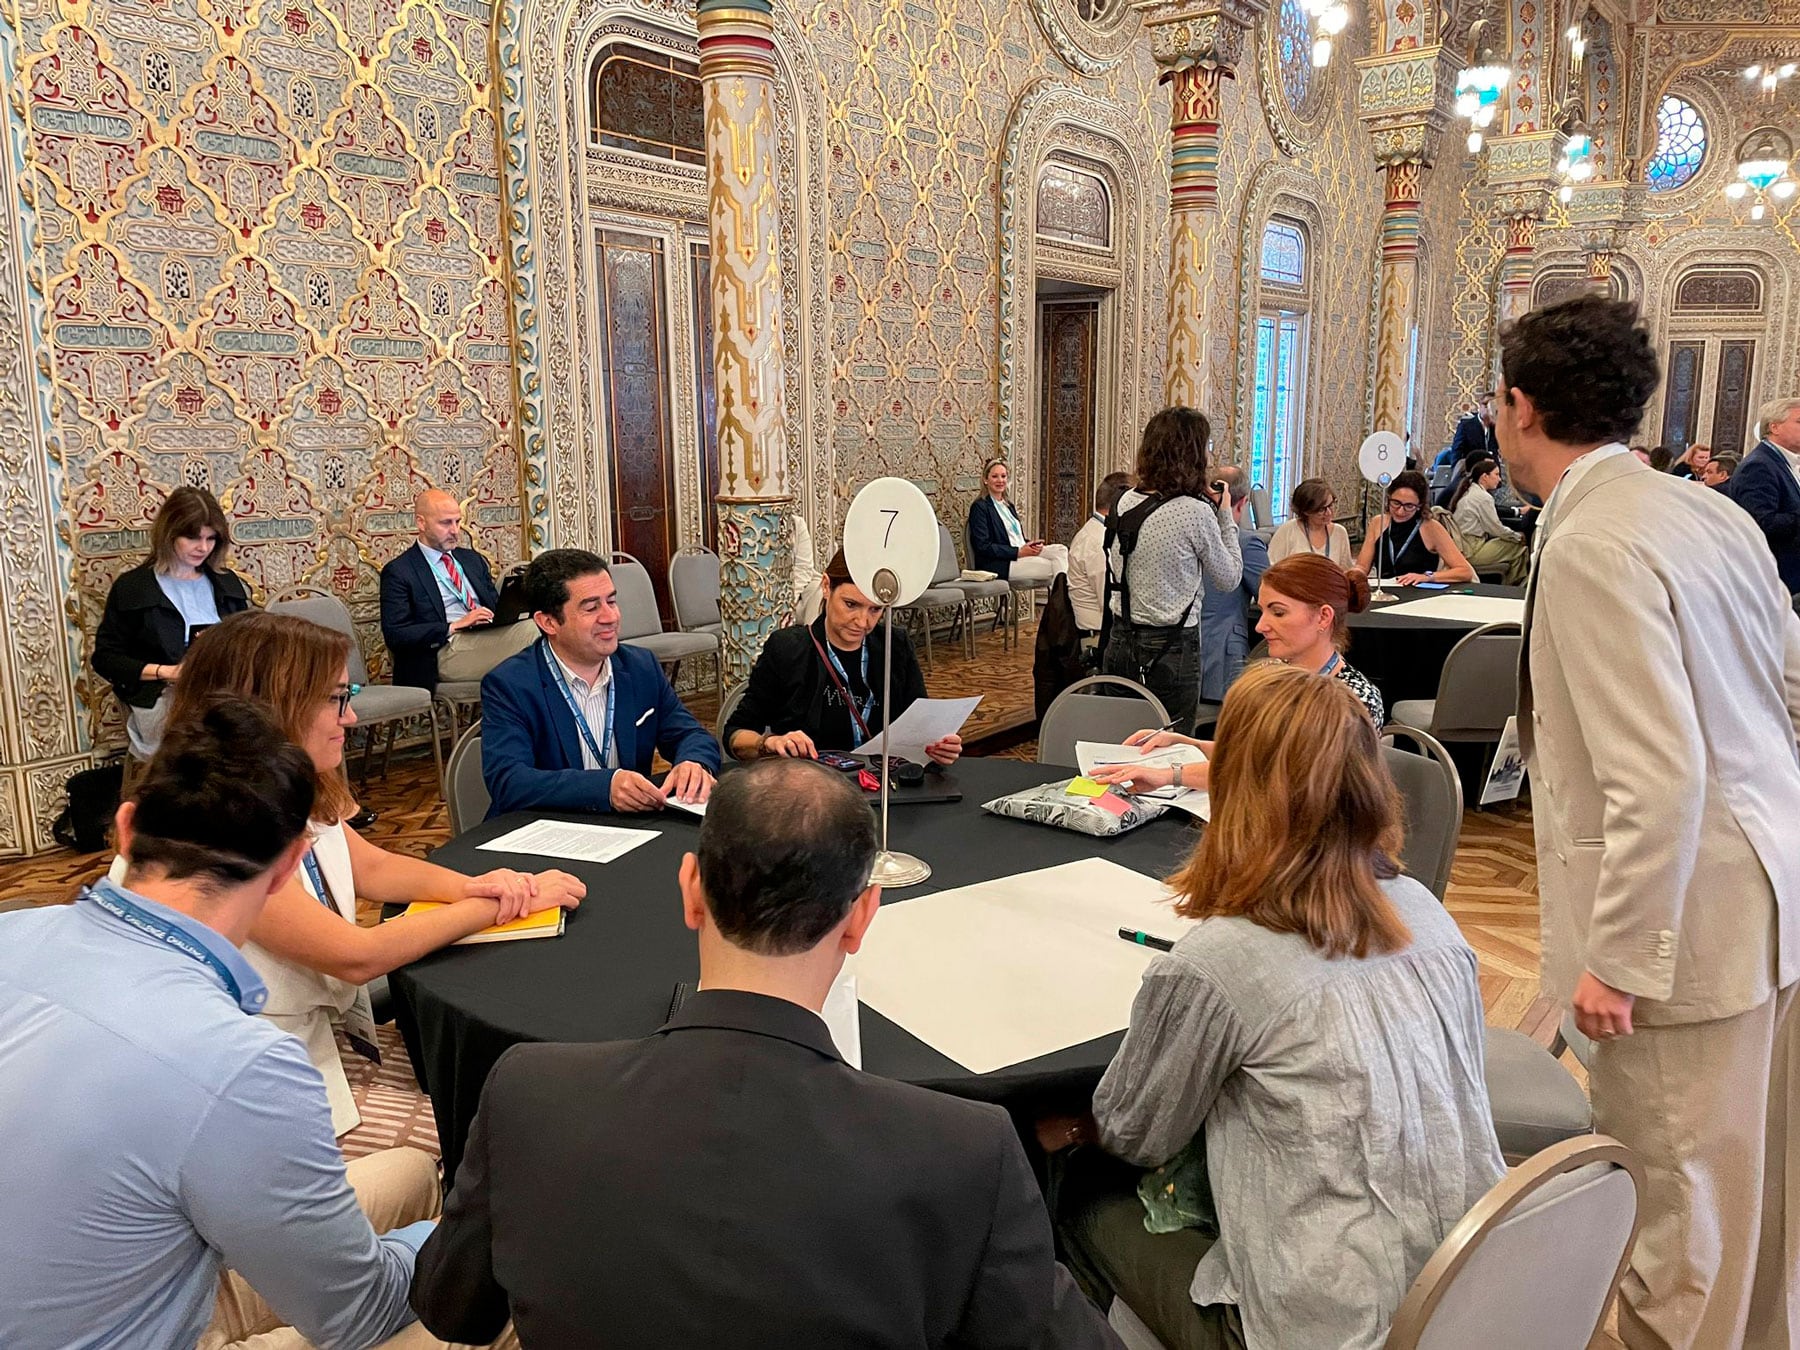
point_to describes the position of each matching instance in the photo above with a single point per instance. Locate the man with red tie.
(437, 603)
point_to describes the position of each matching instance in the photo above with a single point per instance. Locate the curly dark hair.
(1587, 364)
(1172, 456)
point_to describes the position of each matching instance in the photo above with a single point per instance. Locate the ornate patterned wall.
(268, 238)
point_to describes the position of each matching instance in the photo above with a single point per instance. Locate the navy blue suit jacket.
(1473, 438)
(989, 548)
(1764, 486)
(413, 622)
(531, 748)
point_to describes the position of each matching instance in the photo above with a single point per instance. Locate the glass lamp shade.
(1759, 173)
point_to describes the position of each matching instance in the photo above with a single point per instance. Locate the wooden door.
(634, 374)
(1731, 403)
(1068, 330)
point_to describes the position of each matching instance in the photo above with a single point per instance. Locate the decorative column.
(737, 71)
(1599, 270)
(1197, 45)
(1516, 264)
(1403, 98)
(1522, 171)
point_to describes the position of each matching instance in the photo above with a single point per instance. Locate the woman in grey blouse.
(1321, 1028)
(1186, 542)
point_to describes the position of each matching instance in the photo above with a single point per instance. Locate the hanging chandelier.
(1577, 162)
(1479, 86)
(1329, 18)
(1764, 159)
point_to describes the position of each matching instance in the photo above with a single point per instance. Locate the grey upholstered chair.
(727, 706)
(1538, 1259)
(1262, 510)
(694, 586)
(374, 704)
(465, 790)
(640, 623)
(1432, 795)
(1477, 690)
(995, 592)
(1077, 715)
(942, 594)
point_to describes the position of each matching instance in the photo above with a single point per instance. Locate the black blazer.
(413, 622)
(790, 689)
(989, 548)
(142, 627)
(729, 1181)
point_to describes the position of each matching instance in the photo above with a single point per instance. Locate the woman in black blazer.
(154, 610)
(997, 539)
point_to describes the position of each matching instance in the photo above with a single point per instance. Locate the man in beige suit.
(1658, 706)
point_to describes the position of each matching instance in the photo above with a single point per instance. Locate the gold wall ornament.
(1397, 313)
(1193, 213)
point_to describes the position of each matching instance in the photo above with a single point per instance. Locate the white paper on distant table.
(1091, 755)
(1005, 971)
(1464, 608)
(565, 839)
(927, 722)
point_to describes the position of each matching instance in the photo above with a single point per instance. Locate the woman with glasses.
(307, 945)
(1405, 545)
(1310, 528)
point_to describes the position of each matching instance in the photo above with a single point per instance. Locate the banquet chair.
(1109, 718)
(727, 706)
(464, 788)
(694, 587)
(1477, 690)
(1431, 793)
(373, 704)
(640, 622)
(942, 594)
(996, 591)
(1536, 1263)
(1262, 510)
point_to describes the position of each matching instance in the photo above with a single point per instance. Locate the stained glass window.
(1293, 48)
(1283, 255)
(1272, 439)
(1680, 145)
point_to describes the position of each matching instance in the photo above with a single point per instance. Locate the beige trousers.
(1706, 1105)
(473, 652)
(395, 1187)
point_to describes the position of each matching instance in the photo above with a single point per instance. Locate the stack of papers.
(1092, 755)
(565, 839)
(544, 923)
(1008, 970)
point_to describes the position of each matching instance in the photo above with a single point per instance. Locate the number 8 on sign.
(1383, 455)
(891, 527)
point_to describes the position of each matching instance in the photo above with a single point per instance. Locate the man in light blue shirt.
(157, 1128)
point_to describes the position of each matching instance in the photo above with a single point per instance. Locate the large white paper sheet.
(927, 722)
(565, 839)
(1008, 970)
(1091, 755)
(1464, 608)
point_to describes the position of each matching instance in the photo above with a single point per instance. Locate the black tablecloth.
(1404, 653)
(609, 977)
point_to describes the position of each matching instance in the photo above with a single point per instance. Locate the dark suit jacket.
(729, 1181)
(141, 627)
(1472, 438)
(531, 748)
(989, 548)
(1764, 485)
(413, 622)
(791, 690)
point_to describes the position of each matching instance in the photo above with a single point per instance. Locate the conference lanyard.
(1387, 542)
(321, 892)
(359, 1017)
(1331, 665)
(462, 591)
(860, 731)
(581, 722)
(105, 895)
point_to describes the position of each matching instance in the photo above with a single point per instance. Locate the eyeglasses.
(1401, 508)
(342, 697)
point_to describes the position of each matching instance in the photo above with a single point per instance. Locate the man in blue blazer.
(438, 601)
(570, 723)
(1767, 485)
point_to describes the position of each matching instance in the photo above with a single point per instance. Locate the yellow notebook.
(544, 923)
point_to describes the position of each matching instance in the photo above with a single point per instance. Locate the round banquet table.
(610, 975)
(1403, 654)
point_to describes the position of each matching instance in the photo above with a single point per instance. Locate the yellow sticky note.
(1085, 787)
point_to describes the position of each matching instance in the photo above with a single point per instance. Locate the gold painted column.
(737, 71)
(1397, 310)
(1516, 265)
(1193, 212)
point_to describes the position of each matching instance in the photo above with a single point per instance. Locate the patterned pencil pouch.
(1051, 804)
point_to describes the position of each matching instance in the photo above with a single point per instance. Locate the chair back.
(638, 616)
(1262, 510)
(1431, 795)
(1076, 715)
(948, 568)
(327, 611)
(464, 788)
(1479, 687)
(694, 586)
(727, 706)
(1538, 1259)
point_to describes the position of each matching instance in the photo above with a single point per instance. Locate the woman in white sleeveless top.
(307, 945)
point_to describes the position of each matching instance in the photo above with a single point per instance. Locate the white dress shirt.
(1087, 572)
(1792, 458)
(591, 699)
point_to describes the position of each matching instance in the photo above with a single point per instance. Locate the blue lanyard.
(462, 593)
(868, 703)
(1387, 541)
(1331, 665)
(581, 722)
(122, 909)
(321, 892)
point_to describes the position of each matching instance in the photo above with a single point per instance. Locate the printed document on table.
(1005, 971)
(927, 722)
(566, 839)
(1091, 755)
(1464, 609)
(692, 808)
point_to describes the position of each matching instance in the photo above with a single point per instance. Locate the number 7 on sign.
(892, 517)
